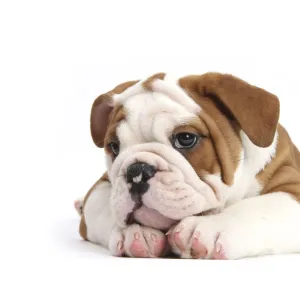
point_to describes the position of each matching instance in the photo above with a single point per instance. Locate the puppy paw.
(78, 205)
(138, 241)
(198, 237)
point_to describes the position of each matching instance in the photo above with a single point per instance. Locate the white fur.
(129, 92)
(262, 225)
(253, 160)
(151, 117)
(169, 87)
(103, 230)
(97, 214)
(176, 93)
(256, 158)
(175, 191)
(256, 225)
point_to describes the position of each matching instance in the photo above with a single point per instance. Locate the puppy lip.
(129, 219)
(130, 216)
(152, 218)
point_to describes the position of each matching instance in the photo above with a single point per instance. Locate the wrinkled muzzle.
(154, 185)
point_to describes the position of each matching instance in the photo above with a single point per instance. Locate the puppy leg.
(97, 221)
(98, 225)
(263, 225)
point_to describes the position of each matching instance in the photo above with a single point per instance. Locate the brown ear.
(99, 119)
(256, 110)
(101, 111)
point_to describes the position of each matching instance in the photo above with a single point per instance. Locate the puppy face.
(162, 139)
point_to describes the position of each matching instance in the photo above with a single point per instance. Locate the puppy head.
(164, 137)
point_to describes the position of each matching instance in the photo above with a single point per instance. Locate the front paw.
(138, 241)
(199, 237)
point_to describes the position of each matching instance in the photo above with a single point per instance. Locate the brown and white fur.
(235, 194)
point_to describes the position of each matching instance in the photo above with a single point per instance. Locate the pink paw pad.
(137, 248)
(218, 252)
(198, 250)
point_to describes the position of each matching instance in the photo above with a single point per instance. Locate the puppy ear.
(99, 118)
(256, 110)
(101, 112)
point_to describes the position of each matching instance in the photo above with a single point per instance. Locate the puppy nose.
(140, 172)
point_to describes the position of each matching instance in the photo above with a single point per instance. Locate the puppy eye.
(185, 140)
(115, 148)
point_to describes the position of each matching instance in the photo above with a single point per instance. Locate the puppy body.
(234, 194)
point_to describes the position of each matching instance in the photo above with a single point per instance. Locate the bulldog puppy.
(197, 165)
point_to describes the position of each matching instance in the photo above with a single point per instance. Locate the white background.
(55, 58)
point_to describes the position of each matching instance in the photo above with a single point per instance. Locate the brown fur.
(228, 105)
(117, 115)
(256, 110)
(283, 173)
(253, 110)
(101, 112)
(219, 151)
(147, 84)
(213, 154)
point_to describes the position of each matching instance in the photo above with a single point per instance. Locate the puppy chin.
(150, 217)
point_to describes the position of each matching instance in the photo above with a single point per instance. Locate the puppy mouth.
(149, 217)
(162, 201)
(142, 214)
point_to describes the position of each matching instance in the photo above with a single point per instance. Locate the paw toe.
(78, 204)
(159, 247)
(218, 252)
(155, 241)
(198, 249)
(178, 241)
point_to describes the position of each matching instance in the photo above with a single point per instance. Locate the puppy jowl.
(194, 165)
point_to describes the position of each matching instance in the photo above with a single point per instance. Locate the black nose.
(138, 174)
